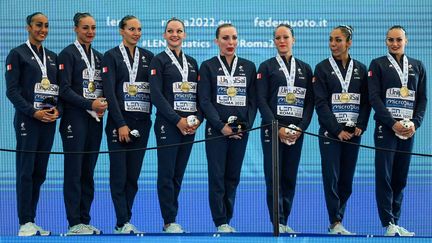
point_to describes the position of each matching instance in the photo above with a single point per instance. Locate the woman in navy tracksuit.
(31, 83)
(284, 92)
(125, 77)
(341, 99)
(173, 84)
(397, 91)
(226, 89)
(81, 90)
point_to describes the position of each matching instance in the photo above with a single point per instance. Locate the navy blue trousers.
(80, 132)
(225, 159)
(391, 173)
(172, 162)
(31, 168)
(338, 162)
(289, 160)
(125, 167)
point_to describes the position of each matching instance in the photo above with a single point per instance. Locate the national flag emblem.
(258, 75)
(153, 72)
(61, 66)
(313, 79)
(199, 78)
(105, 69)
(9, 67)
(370, 74)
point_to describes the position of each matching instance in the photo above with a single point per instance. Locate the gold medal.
(344, 97)
(290, 98)
(91, 87)
(404, 91)
(231, 91)
(185, 87)
(45, 83)
(132, 89)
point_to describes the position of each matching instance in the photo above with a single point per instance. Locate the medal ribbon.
(288, 76)
(183, 71)
(402, 75)
(133, 71)
(90, 68)
(225, 70)
(42, 66)
(344, 83)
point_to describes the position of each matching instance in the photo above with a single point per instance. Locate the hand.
(288, 137)
(358, 132)
(282, 134)
(344, 135)
(413, 130)
(123, 133)
(48, 115)
(183, 126)
(100, 114)
(226, 130)
(403, 131)
(192, 130)
(99, 105)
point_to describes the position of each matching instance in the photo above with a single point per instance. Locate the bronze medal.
(45, 83)
(91, 87)
(404, 91)
(344, 98)
(231, 91)
(185, 87)
(132, 90)
(290, 98)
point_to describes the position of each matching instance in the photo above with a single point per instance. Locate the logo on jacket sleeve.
(9, 67)
(153, 72)
(61, 66)
(105, 69)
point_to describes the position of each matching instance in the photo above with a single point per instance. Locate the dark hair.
(347, 30)
(78, 16)
(123, 21)
(223, 26)
(175, 19)
(400, 27)
(29, 18)
(286, 26)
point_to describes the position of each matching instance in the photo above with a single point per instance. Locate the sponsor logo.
(162, 129)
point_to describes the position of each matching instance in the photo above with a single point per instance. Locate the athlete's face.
(227, 41)
(38, 29)
(338, 43)
(284, 40)
(174, 34)
(396, 41)
(131, 32)
(86, 30)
